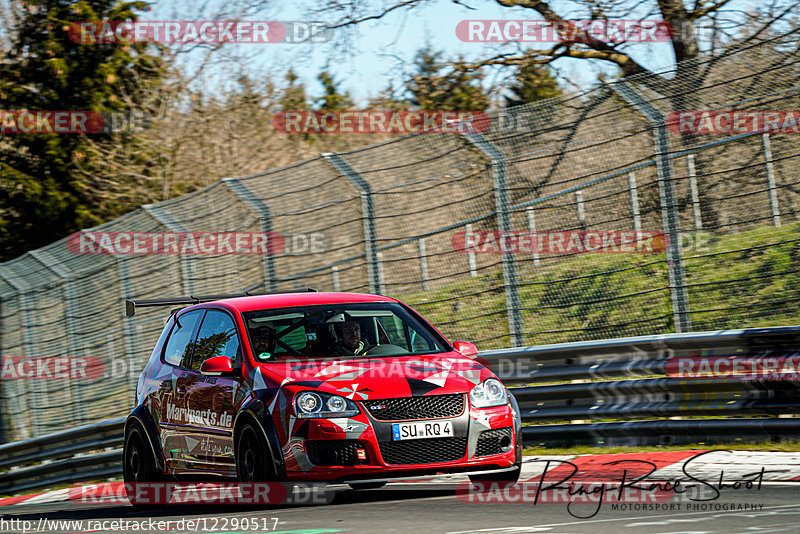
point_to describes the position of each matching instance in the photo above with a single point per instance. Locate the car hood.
(377, 378)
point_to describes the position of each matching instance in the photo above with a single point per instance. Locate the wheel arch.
(141, 417)
(256, 414)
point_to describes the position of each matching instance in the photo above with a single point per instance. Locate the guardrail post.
(368, 217)
(637, 216)
(265, 218)
(471, 263)
(669, 214)
(23, 431)
(335, 278)
(580, 208)
(510, 284)
(532, 229)
(698, 219)
(773, 192)
(423, 264)
(68, 293)
(173, 226)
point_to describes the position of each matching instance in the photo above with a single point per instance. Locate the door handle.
(181, 391)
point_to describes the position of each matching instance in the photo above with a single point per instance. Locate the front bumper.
(363, 448)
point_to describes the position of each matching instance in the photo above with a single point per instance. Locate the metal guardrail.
(629, 378)
(624, 378)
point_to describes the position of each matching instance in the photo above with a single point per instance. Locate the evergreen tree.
(332, 99)
(531, 84)
(43, 196)
(294, 97)
(434, 87)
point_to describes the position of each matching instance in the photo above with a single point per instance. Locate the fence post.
(335, 278)
(510, 284)
(265, 218)
(773, 193)
(173, 226)
(368, 217)
(129, 331)
(666, 189)
(423, 264)
(698, 219)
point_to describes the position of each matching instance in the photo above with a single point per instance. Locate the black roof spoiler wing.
(131, 305)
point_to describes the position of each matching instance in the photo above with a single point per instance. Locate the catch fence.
(393, 218)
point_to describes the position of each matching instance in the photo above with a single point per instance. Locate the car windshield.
(339, 331)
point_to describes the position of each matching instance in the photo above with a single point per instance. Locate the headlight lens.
(490, 392)
(310, 404)
(336, 404)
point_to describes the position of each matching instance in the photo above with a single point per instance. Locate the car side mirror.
(466, 348)
(217, 366)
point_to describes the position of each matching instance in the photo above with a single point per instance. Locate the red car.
(335, 387)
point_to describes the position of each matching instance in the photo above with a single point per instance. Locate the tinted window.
(179, 347)
(217, 337)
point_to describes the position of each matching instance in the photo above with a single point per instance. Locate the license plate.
(421, 430)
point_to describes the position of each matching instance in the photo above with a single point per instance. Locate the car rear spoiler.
(131, 305)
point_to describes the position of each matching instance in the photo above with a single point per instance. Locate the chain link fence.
(420, 218)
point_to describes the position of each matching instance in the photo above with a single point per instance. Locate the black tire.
(138, 463)
(366, 485)
(252, 455)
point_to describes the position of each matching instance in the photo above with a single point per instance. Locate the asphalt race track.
(423, 508)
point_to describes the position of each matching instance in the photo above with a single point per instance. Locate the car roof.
(286, 300)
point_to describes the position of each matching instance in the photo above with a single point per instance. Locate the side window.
(217, 337)
(179, 344)
(393, 328)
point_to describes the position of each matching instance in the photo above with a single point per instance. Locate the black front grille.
(408, 408)
(334, 452)
(423, 451)
(493, 442)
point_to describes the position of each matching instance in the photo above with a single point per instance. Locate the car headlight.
(312, 404)
(490, 392)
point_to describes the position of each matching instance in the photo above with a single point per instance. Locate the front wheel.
(251, 456)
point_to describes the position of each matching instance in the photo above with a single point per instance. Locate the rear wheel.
(138, 465)
(252, 456)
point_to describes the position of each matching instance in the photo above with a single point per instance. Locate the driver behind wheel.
(350, 342)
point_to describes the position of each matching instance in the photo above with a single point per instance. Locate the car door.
(210, 399)
(172, 408)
